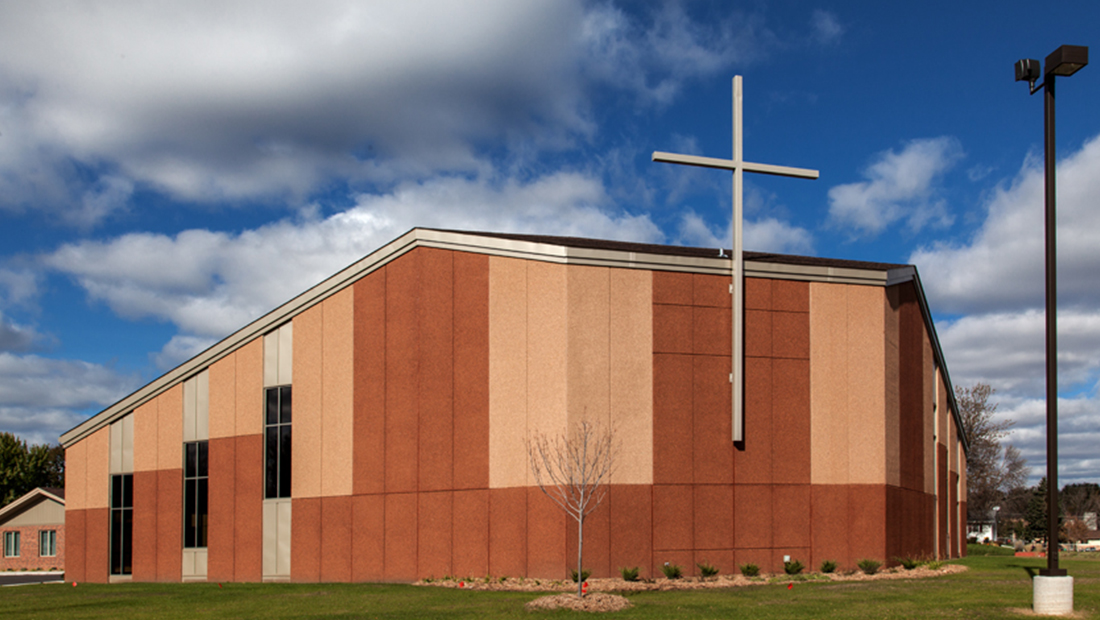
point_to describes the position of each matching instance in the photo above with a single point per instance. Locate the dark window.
(11, 544)
(47, 543)
(277, 442)
(195, 512)
(122, 523)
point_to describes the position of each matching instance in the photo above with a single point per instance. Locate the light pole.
(1064, 61)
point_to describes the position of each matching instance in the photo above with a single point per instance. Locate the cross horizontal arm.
(729, 164)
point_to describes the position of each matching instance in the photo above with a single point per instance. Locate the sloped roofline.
(30, 498)
(564, 250)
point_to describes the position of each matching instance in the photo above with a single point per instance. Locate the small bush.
(828, 566)
(584, 574)
(908, 563)
(793, 567)
(750, 570)
(629, 574)
(706, 570)
(936, 564)
(869, 567)
(672, 571)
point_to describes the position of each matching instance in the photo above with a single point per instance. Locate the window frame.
(120, 552)
(278, 456)
(47, 543)
(196, 494)
(11, 544)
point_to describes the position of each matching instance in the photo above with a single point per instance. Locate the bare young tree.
(991, 471)
(574, 469)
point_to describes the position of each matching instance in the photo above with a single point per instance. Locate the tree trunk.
(580, 554)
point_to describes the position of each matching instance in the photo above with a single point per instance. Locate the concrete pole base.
(1052, 596)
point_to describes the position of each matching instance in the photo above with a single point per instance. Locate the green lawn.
(990, 589)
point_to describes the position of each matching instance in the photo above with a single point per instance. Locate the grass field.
(994, 587)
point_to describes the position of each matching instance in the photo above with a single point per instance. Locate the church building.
(374, 427)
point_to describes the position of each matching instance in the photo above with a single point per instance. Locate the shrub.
(869, 567)
(706, 570)
(828, 566)
(629, 574)
(908, 563)
(584, 574)
(672, 571)
(793, 567)
(936, 564)
(750, 570)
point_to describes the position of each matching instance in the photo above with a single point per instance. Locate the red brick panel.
(791, 507)
(942, 498)
(221, 500)
(305, 539)
(911, 333)
(671, 287)
(790, 334)
(790, 421)
(632, 527)
(507, 531)
(76, 542)
(712, 445)
(97, 558)
(895, 523)
(434, 521)
(471, 371)
(169, 524)
(672, 419)
(673, 327)
(753, 459)
(336, 539)
(597, 542)
(436, 370)
(471, 532)
(400, 537)
(790, 296)
(953, 504)
(248, 509)
(962, 526)
(710, 290)
(867, 521)
(368, 516)
(752, 516)
(673, 521)
(546, 528)
(758, 333)
(713, 516)
(369, 398)
(711, 331)
(402, 388)
(145, 526)
(758, 294)
(830, 525)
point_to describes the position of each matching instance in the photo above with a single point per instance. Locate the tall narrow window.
(47, 543)
(277, 442)
(194, 494)
(11, 544)
(122, 523)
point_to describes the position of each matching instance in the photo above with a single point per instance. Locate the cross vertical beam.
(737, 166)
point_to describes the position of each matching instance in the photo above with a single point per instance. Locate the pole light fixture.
(1064, 61)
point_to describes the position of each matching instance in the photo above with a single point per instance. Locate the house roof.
(566, 250)
(31, 498)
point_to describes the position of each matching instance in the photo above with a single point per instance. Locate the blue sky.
(170, 171)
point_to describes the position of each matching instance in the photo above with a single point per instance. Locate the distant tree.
(1080, 499)
(992, 472)
(1074, 530)
(1037, 513)
(23, 468)
(574, 470)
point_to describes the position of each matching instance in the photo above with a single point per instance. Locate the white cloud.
(1001, 267)
(994, 283)
(763, 235)
(826, 27)
(209, 284)
(42, 398)
(208, 101)
(900, 186)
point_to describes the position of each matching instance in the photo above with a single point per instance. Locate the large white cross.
(738, 166)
